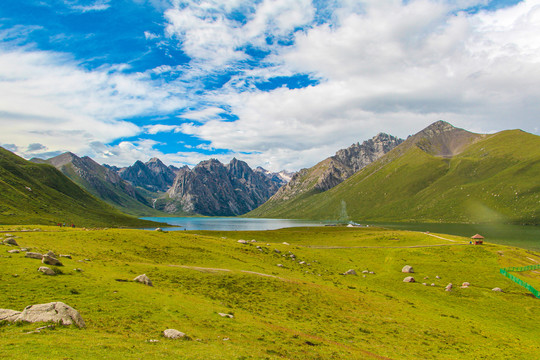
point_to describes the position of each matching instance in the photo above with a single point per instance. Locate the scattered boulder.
(409, 279)
(432, 284)
(498, 289)
(57, 312)
(242, 241)
(407, 269)
(365, 272)
(437, 277)
(465, 285)
(49, 260)
(10, 241)
(34, 255)
(14, 251)
(285, 243)
(424, 284)
(372, 272)
(448, 287)
(46, 270)
(302, 262)
(230, 316)
(51, 254)
(159, 229)
(173, 334)
(24, 249)
(253, 241)
(143, 279)
(279, 265)
(350, 272)
(9, 315)
(277, 251)
(65, 256)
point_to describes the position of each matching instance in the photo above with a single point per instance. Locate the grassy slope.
(495, 179)
(53, 197)
(112, 194)
(296, 315)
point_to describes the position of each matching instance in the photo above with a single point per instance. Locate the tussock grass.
(294, 312)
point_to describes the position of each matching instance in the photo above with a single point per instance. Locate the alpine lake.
(523, 236)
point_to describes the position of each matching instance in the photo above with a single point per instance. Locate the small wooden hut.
(477, 239)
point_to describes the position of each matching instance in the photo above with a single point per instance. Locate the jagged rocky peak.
(359, 155)
(443, 139)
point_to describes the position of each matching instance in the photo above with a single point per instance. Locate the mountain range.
(441, 174)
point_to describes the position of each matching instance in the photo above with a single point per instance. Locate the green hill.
(40, 194)
(447, 175)
(103, 183)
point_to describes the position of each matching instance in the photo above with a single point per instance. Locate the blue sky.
(279, 83)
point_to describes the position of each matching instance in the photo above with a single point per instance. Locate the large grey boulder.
(407, 269)
(173, 334)
(350, 272)
(46, 270)
(57, 312)
(49, 260)
(8, 315)
(34, 255)
(143, 279)
(409, 279)
(10, 241)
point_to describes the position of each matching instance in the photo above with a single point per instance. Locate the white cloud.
(98, 5)
(204, 115)
(48, 99)
(155, 129)
(391, 67)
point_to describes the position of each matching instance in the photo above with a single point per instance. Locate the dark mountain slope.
(40, 194)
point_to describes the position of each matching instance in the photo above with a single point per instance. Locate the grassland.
(492, 180)
(297, 311)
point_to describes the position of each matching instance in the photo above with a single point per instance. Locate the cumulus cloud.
(393, 67)
(48, 99)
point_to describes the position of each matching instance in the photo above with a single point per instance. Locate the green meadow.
(299, 311)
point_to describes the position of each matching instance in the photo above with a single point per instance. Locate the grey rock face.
(212, 188)
(57, 312)
(152, 175)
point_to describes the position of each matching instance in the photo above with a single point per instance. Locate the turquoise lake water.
(527, 237)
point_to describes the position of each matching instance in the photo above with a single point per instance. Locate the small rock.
(34, 255)
(10, 241)
(49, 260)
(230, 316)
(14, 251)
(448, 287)
(51, 254)
(285, 243)
(143, 279)
(424, 284)
(46, 270)
(432, 284)
(292, 256)
(78, 270)
(497, 289)
(279, 265)
(159, 229)
(152, 341)
(465, 285)
(173, 334)
(65, 256)
(437, 277)
(409, 279)
(426, 277)
(242, 241)
(253, 241)
(407, 269)
(24, 249)
(372, 272)
(301, 262)
(350, 272)
(277, 251)
(365, 272)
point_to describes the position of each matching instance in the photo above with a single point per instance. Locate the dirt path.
(375, 247)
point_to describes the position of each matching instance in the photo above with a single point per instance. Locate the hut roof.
(477, 236)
